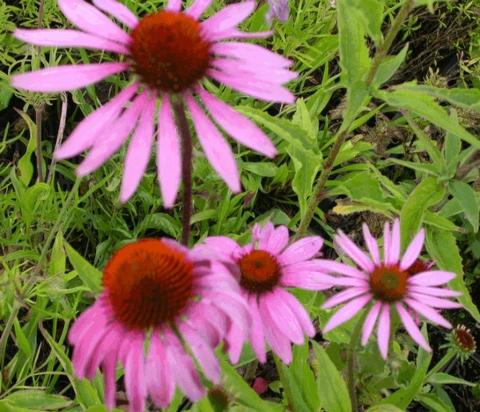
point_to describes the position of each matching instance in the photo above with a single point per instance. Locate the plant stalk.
(187, 150)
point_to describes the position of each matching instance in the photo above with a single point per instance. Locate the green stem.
(351, 362)
(441, 363)
(341, 135)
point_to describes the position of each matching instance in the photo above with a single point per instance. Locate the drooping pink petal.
(89, 128)
(232, 305)
(369, 323)
(413, 250)
(109, 379)
(174, 5)
(353, 251)
(256, 331)
(197, 8)
(433, 291)
(371, 244)
(85, 349)
(332, 266)
(343, 296)
(301, 250)
(92, 20)
(266, 91)
(434, 302)
(347, 312)
(117, 10)
(395, 243)
(237, 34)
(68, 38)
(135, 383)
(216, 149)
(411, 327)
(431, 278)
(283, 318)
(298, 310)
(383, 330)
(250, 53)
(160, 383)
(139, 151)
(228, 17)
(65, 78)
(118, 134)
(237, 125)
(428, 312)
(235, 339)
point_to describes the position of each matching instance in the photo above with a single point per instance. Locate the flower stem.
(341, 135)
(351, 362)
(187, 149)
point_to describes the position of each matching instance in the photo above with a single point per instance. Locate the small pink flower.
(169, 53)
(155, 292)
(389, 284)
(264, 269)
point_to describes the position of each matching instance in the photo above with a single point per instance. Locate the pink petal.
(256, 331)
(237, 125)
(307, 280)
(237, 34)
(301, 250)
(161, 385)
(370, 322)
(89, 128)
(261, 234)
(431, 278)
(228, 17)
(354, 252)
(386, 242)
(411, 327)
(168, 154)
(232, 305)
(413, 250)
(429, 313)
(68, 38)
(277, 340)
(433, 291)
(263, 91)
(235, 339)
(138, 153)
(278, 240)
(135, 383)
(118, 134)
(434, 302)
(198, 8)
(174, 5)
(347, 312)
(344, 296)
(203, 353)
(90, 19)
(332, 266)
(65, 78)
(383, 331)
(109, 378)
(222, 245)
(298, 310)
(218, 151)
(371, 244)
(395, 243)
(117, 10)
(85, 349)
(283, 318)
(250, 53)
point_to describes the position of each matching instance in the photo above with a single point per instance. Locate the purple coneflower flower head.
(389, 284)
(168, 54)
(278, 9)
(264, 269)
(161, 295)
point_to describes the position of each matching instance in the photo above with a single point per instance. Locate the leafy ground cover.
(386, 119)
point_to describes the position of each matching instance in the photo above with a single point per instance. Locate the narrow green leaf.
(25, 165)
(467, 198)
(441, 378)
(57, 257)
(433, 403)
(461, 97)
(388, 67)
(384, 408)
(37, 399)
(89, 275)
(332, 389)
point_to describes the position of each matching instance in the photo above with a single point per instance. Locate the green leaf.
(433, 403)
(467, 198)
(21, 340)
(292, 390)
(332, 389)
(441, 378)
(6, 94)
(384, 408)
(461, 97)
(388, 67)
(370, 13)
(425, 106)
(304, 376)
(90, 276)
(354, 54)
(57, 257)
(25, 165)
(38, 400)
(443, 248)
(425, 194)
(357, 99)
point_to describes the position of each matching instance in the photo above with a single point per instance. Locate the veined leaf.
(467, 198)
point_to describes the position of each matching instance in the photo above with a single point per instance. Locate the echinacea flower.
(389, 284)
(264, 270)
(277, 9)
(169, 54)
(462, 342)
(159, 295)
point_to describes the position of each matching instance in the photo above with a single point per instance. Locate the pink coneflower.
(388, 283)
(169, 54)
(162, 296)
(264, 269)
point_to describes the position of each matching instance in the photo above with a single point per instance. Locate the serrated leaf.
(467, 198)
